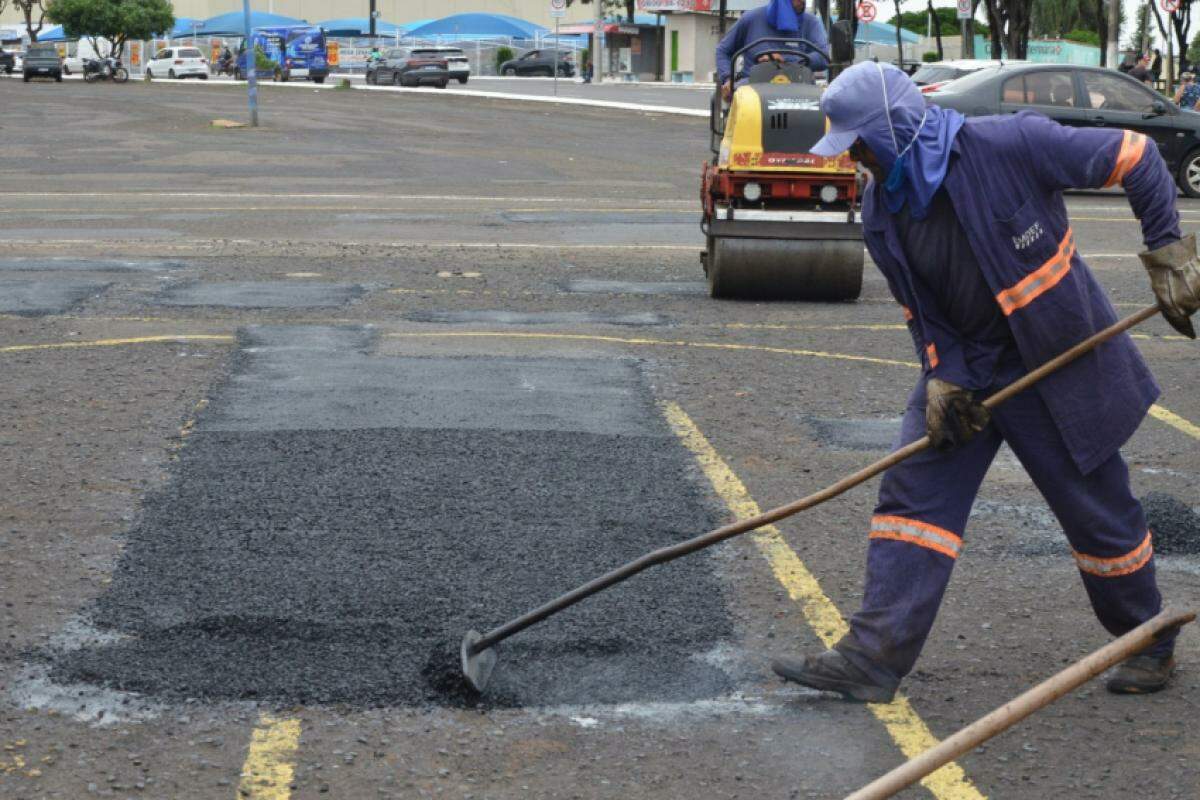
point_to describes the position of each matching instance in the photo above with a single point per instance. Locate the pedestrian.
(1188, 92)
(1156, 65)
(1141, 71)
(992, 284)
(779, 19)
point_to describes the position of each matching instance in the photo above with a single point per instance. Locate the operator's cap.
(858, 101)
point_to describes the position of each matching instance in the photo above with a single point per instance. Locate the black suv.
(540, 62)
(406, 66)
(42, 62)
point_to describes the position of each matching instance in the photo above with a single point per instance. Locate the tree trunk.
(1102, 29)
(899, 40)
(937, 30)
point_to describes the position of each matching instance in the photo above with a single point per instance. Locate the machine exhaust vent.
(779, 122)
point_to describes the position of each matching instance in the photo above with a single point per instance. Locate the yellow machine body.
(770, 128)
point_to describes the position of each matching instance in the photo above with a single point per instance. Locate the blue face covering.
(783, 17)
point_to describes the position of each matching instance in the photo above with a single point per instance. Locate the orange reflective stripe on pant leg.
(931, 355)
(1120, 565)
(1041, 280)
(908, 315)
(1133, 146)
(922, 534)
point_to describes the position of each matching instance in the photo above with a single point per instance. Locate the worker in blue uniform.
(780, 19)
(966, 220)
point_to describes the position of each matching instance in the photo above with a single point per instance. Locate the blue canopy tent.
(360, 26)
(415, 23)
(54, 34)
(479, 25)
(233, 23)
(882, 33)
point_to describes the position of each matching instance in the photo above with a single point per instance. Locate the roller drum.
(785, 269)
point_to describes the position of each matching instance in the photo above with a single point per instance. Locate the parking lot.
(291, 409)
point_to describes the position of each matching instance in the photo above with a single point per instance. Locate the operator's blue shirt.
(753, 26)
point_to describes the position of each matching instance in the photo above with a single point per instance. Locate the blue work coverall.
(1005, 182)
(753, 26)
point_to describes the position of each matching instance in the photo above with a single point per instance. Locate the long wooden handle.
(1018, 709)
(673, 552)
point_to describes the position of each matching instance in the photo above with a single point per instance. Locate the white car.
(933, 76)
(178, 62)
(72, 65)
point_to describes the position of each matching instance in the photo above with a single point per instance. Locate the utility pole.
(251, 66)
(598, 44)
(1114, 23)
(374, 13)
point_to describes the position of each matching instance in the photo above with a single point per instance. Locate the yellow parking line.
(584, 337)
(267, 773)
(1175, 421)
(907, 729)
(182, 337)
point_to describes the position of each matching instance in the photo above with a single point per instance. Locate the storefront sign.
(332, 53)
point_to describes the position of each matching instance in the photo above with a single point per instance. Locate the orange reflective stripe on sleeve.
(922, 534)
(908, 315)
(1041, 280)
(1116, 567)
(931, 355)
(1133, 146)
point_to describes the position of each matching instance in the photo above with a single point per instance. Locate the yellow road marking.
(906, 728)
(182, 337)
(584, 337)
(267, 772)
(1175, 421)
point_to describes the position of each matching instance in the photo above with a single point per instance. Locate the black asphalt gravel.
(1174, 523)
(345, 565)
(37, 298)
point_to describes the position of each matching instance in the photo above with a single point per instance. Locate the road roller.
(780, 223)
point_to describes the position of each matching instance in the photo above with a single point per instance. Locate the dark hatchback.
(1085, 97)
(42, 62)
(540, 62)
(409, 67)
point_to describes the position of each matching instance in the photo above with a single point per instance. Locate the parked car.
(457, 63)
(42, 61)
(1084, 97)
(404, 67)
(72, 65)
(8, 61)
(932, 76)
(178, 62)
(540, 62)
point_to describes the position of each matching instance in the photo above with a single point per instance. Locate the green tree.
(1142, 38)
(1010, 23)
(918, 21)
(1193, 53)
(116, 21)
(1083, 37)
(1057, 18)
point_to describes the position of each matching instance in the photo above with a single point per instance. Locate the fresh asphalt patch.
(855, 434)
(267, 294)
(586, 286)
(324, 539)
(38, 298)
(88, 265)
(535, 318)
(1174, 524)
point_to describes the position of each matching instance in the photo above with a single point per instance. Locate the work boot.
(1142, 675)
(831, 672)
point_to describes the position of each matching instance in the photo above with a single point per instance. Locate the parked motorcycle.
(225, 66)
(104, 69)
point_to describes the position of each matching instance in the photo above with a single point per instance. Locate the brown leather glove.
(1175, 277)
(952, 416)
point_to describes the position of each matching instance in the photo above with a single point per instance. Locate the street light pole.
(251, 66)
(372, 21)
(1114, 24)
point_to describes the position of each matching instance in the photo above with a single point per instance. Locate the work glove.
(952, 416)
(1175, 277)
